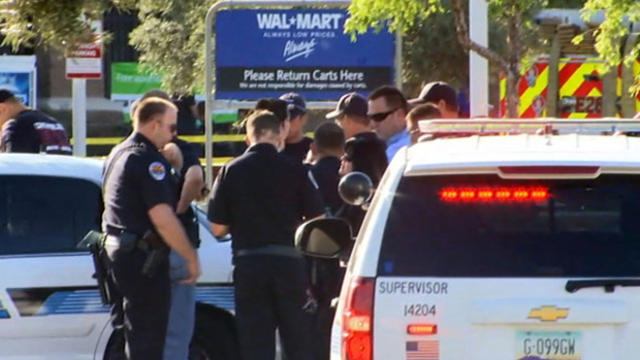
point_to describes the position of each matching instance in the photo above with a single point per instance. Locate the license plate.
(549, 345)
(589, 104)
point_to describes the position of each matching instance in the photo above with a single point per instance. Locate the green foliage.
(612, 31)
(430, 45)
(431, 51)
(61, 23)
(399, 14)
(170, 39)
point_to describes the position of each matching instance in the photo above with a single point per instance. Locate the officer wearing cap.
(364, 150)
(139, 198)
(260, 198)
(442, 95)
(296, 143)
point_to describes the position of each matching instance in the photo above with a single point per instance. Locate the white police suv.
(511, 240)
(50, 307)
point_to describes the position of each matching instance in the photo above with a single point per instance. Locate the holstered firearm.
(157, 252)
(94, 241)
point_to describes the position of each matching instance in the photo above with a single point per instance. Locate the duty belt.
(276, 250)
(115, 237)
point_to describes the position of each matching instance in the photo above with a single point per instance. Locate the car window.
(582, 228)
(42, 214)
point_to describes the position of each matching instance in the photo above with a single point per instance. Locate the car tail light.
(498, 194)
(357, 320)
(422, 329)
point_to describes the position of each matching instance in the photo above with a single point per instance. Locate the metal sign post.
(82, 63)
(79, 116)
(298, 50)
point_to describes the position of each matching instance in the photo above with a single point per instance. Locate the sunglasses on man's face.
(379, 117)
(172, 127)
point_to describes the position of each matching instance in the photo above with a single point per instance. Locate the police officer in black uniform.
(140, 197)
(260, 198)
(325, 274)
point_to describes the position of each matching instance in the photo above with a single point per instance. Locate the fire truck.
(568, 81)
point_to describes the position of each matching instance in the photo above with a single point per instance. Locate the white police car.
(514, 247)
(49, 304)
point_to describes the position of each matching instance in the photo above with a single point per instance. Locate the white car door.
(49, 305)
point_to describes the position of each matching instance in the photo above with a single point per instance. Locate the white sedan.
(50, 307)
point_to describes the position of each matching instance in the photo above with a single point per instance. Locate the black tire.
(115, 346)
(214, 337)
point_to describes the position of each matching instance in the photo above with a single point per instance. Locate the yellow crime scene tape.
(189, 138)
(217, 161)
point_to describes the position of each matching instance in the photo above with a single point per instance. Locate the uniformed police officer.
(182, 313)
(139, 197)
(260, 198)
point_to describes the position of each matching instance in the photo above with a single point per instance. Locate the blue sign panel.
(21, 84)
(265, 53)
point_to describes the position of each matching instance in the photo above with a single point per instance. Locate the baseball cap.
(5, 95)
(350, 104)
(436, 91)
(295, 104)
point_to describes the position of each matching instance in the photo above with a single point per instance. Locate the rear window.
(41, 214)
(581, 228)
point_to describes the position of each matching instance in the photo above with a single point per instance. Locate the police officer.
(260, 198)
(326, 276)
(183, 296)
(140, 197)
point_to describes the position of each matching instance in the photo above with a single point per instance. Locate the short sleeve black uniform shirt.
(298, 151)
(139, 179)
(326, 174)
(263, 196)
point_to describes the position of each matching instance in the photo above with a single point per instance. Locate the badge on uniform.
(157, 170)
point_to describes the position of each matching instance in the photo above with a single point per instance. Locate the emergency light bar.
(544, 126)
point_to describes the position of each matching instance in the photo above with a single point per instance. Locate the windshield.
(42, 214)
(571, 228)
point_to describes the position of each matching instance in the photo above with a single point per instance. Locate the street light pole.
(478, 66)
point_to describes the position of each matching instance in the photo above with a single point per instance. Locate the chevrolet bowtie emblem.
(548, 313)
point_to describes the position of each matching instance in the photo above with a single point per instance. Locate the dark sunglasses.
(379, 117)
(172, 127)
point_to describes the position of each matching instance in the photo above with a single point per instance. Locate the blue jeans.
(182, 314)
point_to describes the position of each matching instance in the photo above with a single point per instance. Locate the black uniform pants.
(141, 305)
(270, 292)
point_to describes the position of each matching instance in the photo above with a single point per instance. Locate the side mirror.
(324, 238)
(355, 188)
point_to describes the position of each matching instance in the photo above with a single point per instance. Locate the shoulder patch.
(157, 170)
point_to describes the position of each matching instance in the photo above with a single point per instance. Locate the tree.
(612, 31)
(61, 24)
(402, 14)
(170, 39)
